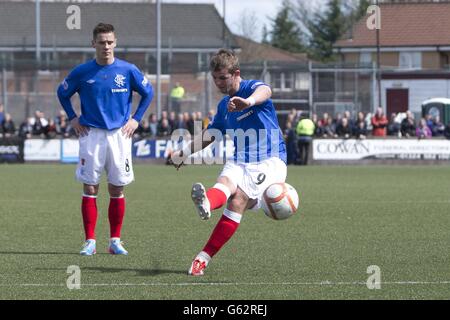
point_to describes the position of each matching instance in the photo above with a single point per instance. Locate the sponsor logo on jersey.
(90, 81)
(65, 84)
(245, 115)
(144, 82)
(119, 80)
(119, 90)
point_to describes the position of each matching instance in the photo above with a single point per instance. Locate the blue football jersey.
(105, 93)
(255, 131)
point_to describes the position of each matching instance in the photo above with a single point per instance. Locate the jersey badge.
(119, 80)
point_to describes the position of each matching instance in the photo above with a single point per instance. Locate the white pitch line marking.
(187, 284)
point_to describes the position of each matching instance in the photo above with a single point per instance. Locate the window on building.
(290, 81)
(277, 81)
(302, 81)
(365, 58)
(202, 61)
(410, 60)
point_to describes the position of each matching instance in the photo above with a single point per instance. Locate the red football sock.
(217, 198)
(116, 212)
(223, 231)
(89, 212)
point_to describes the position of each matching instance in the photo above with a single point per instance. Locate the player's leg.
(116, 213)
(224, 230)
(214, 198)
(120, 173)
(251, 186)
(89, 214)
(269, 171)
(89, 168)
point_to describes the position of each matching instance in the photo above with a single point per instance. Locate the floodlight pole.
(224, 24)
(4, 88)
(158, 58)
(377, 30)
(38, 52)
(38, 31)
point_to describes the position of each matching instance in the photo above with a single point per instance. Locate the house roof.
(405, 24)
(252, 51)
(183, 25)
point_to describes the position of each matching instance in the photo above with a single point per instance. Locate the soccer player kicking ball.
(248, 116)
(105, 128)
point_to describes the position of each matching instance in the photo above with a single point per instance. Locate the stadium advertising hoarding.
(11, 150)
(42, 150)
(352, 149)
(66, 150)
(153, 149)
(160, 149)
(69, 150)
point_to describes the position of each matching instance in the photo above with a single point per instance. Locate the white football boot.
(201, 201)
(88, 248)
(116, 247)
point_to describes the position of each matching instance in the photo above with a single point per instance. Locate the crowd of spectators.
(41, 126)
(341, 125)
(361, 126)
(38, 127)
(152, 127)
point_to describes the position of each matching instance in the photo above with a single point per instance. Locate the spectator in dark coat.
(7, 126)
(343, 129)
(408, 126)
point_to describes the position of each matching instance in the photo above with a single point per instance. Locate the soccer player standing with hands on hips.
(248, 116)
(105, 129)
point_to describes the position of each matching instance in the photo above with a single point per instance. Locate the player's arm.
(140, 84)
(261, 94)
(197, 144)
(65, 91)
(216, 129)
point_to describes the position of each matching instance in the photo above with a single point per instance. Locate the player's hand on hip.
(238, 104)
(80, 130)
(129, 128)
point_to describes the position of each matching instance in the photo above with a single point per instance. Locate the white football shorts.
(109, 150)
(254, 178)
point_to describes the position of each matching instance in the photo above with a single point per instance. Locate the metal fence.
(27, 87)
(303, 86)
(340, 87)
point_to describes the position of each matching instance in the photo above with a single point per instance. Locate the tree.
(265, 35)
(325, 27)
(361, 9)
(285, 33)
(356, 9)
(248, 25)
